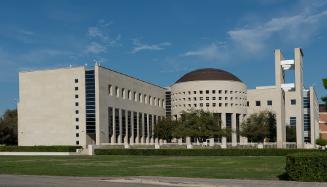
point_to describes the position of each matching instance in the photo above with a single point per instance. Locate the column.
(142, 130)
(113, 137)
(120, 127)
(131, 140)
(147, 138)
(137, 139)
(152, 130)
(126, 127)
(234, 138)
(223, 125)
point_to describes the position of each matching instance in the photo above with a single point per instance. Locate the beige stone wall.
(46, 109)
(105, 77)
(232, 98)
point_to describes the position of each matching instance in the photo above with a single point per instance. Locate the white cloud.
(301, 27)
(210, 52)
(139, 46)
(95, 48)
(101, 38)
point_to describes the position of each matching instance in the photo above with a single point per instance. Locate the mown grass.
(228, 167)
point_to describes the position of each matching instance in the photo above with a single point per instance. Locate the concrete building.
(81, 106)
(100, 106)
(323, 121)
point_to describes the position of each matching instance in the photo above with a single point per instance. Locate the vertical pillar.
(113, 137)
(152, 130)
(120, 127)
(137, 139)
(234, 138)
(280, 109)
(147, 138)
(299, 98)
(131, 140)
(126, 127)
(223, 125)
(142, 130)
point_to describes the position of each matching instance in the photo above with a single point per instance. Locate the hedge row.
(39, 148)
(307, 167)
(202, 152)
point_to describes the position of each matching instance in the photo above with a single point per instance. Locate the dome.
(208, 74)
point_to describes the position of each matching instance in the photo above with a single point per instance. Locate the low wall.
(37, 153)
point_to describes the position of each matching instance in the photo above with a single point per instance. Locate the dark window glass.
(77, 142)
(77, 119)
(77, 134)
(76, 96)
(76, 111)
(257, 103)
(76, 103)
(293, 102)
(269, 102)
(77, 127)
(76, 88)
(76, 80)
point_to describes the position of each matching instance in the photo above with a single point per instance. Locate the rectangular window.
(201, 98)
(194, 105)
(201, 92)
(207, 104)
(219, 98)
(194, 92)
(135, 96)
(76, 103)
(219, 104)
(117, 91)
(76, 96)
(201, 104)
(76, 119)
(109, 89)
(207, 91)
(247, 103)
(123, 93)
(194, 98)
(293, 101)
(76, 88)
(76, 80)
(257, 103)
(269, 102)
(76, 111)
(77, 127)
(129, 95)
(293, 121)
(213, 91)
(213, 98)
(207, 98)
(77, 142)
(77, 134)
(213, 104)
(219, 91)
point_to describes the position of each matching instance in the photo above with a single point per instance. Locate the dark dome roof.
(208, 74)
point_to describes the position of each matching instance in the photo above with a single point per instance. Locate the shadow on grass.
(284, 177)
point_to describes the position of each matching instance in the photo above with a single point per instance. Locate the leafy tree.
(290, 134)
(324, 99)
(164, 129)
(198, 124)
(8, 128)
(259, 126)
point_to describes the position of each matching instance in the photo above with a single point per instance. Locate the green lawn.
(237, 167)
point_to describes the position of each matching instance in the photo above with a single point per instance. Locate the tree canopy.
(259, 126)
(8, 128)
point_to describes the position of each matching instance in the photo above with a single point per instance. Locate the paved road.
(49, 181)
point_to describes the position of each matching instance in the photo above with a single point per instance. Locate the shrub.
(202, 152)
(321, 142)
(307, 167)
(39, 148)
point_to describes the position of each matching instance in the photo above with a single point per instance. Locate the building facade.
(323, 121)
(81, 106)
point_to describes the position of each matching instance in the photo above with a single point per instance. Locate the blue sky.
(159, 41)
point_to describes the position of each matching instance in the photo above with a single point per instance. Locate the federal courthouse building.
(82, 106)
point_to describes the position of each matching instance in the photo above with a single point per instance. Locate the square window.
(293, 101)
(207, 91)
(257, 103)
(76, 88)
(76, 111)
(213, 91)
(226, 104)
(77, 142)
(213, 98)
(194, 105)
(201, 104)
(201, 98)
(207, 105)
(76, 80)
(219, 98)
(194, 92)
(76, 119)
(269, 102)
(219, 104)
(207, 98)
(76, 96)
(77, 134)
(213, 104)
(77, 127)
(201, 92)
(219, 91)
(76, 104)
